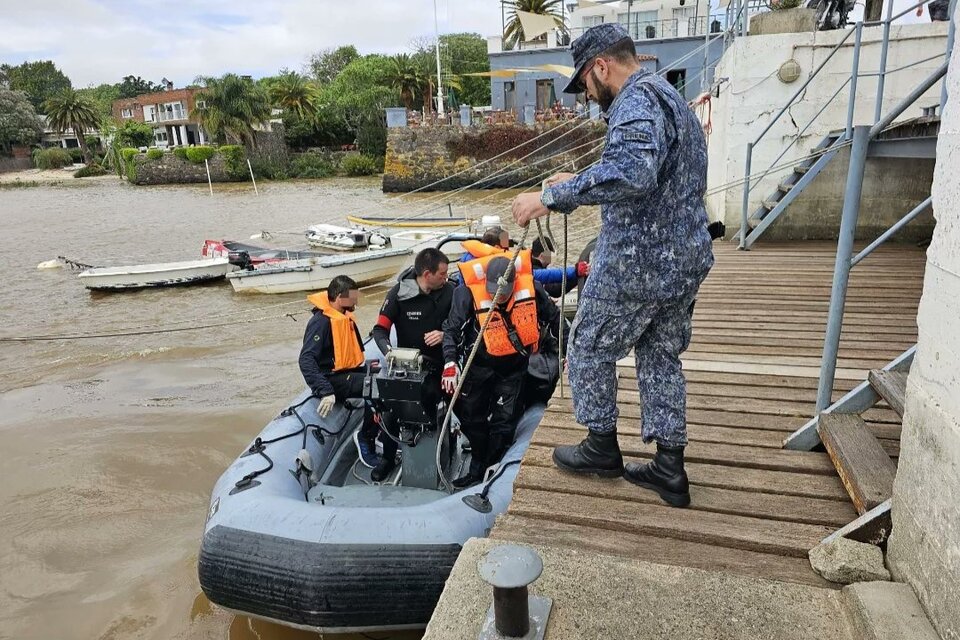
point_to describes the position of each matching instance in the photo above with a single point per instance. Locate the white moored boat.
(331, 236)
(312, 274)
(164, 274)
(419, 239)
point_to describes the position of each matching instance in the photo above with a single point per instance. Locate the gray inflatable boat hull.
(336, 559)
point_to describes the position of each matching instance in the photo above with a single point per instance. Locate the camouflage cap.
(591, 44)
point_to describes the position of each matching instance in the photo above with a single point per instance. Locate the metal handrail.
(904, 67)
(886, 235)
(910, 98)
(745, 213)
(797, 137)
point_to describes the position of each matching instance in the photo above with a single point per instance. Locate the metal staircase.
(913, 138)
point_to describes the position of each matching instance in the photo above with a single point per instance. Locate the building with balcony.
(666, 33)
(168, 112)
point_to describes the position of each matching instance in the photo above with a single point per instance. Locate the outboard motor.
(240, 259)
(398, 393)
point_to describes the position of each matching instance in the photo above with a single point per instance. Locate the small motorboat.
(448, 222)
(164, 274)
(297, 533)
(418, 239)
(241, 253)
(331, 236)
(315, 273)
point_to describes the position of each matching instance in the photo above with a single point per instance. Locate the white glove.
(325, 405)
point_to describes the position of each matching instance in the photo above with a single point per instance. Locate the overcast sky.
(95, 41)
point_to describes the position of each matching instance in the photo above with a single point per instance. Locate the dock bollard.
(510, 568)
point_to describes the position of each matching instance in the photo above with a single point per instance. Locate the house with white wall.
(666, 33)
(168, 112)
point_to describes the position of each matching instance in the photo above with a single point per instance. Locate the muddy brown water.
(111, 446)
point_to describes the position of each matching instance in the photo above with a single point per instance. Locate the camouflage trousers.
(605, 331)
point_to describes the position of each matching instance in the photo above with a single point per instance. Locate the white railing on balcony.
(167, 116)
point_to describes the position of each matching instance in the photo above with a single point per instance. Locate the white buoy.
(50, 264)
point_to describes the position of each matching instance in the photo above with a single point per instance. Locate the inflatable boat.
(298, 534)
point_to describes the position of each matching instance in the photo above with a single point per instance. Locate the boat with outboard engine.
(297, 533)
(154, 275)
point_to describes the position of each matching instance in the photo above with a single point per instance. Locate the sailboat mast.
(436, 26)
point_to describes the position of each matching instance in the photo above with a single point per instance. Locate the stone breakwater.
(171, 169)
(497, 155)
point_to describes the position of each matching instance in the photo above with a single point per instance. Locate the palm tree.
(294, 93)
(70, 110)
(406, 77)
(513, 32)
(232, 106)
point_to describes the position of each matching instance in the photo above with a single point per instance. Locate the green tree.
(19, 123)
(133, 86)
(513, 33)
(326, 65)
(102, 96)
(232, 106)
(40, 80)
(407, 78)
(293, 93)
(70, 110)
(463, 53)
(358, 96)
(131, 133)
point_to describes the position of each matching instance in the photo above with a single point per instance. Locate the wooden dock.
(752, 377)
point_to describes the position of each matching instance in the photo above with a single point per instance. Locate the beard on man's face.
(604, 94)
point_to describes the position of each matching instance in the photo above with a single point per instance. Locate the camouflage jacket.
(650, 184)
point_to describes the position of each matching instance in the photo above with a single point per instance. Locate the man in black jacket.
(489, 399)
(332, 360)
(417, 307)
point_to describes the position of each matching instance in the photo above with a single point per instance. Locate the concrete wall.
(924, 549)
(666, 52)
(754, 94)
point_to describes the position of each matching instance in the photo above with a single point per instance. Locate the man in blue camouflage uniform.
(652, 254)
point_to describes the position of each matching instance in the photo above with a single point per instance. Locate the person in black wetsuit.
(416, 306)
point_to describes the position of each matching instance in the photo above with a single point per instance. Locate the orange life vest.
(521, 309)
(347, 350)
(481, 249)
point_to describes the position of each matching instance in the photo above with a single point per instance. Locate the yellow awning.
(496, 73)
(535, 25)
(555, 68)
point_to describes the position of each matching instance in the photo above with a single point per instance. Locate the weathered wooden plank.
(720, 529)
(863, 466)
(737, 478)
(726, 403)
(892, 387)
(770, 506)
(655, 549)
(696, 432)
(714, 453)
(701, 416)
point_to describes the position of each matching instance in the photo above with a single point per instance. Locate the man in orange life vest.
(331, 359)
(488, 401)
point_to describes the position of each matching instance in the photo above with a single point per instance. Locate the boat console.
(398, 393)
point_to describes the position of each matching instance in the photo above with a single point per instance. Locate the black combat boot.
(479, 446)
(598, 454)
(664, 474)
(383, 469)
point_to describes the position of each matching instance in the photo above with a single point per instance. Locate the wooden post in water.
(249, 166)
(209, 181)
